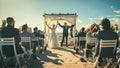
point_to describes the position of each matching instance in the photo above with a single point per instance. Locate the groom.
(65, 32)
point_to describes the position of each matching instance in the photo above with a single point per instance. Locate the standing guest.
(76, 40)
(65, 32)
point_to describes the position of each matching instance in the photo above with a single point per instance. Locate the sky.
(31, 11)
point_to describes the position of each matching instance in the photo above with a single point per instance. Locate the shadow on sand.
(34, 63)
(46, 57)
(67, 49)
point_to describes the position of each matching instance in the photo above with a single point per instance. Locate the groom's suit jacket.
(65, 29)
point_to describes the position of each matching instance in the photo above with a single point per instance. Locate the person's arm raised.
(59, 24)
(72, 26)
(48, 25)
(56, 26)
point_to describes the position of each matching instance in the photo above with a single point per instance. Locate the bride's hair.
(53, 25)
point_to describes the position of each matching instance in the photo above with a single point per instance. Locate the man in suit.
(65, 32)
(9, 32)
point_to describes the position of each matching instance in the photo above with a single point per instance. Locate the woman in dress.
(53, 43)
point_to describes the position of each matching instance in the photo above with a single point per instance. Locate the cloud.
(117, 15)
(95, 20)
(116, 11)
(111, 7)
(79, 21)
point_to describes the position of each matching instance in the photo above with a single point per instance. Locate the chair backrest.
(82, 41)
(37, 39)
(82, 38)
(26, 40)
(7, 41)
(107, 48)
(91, 41)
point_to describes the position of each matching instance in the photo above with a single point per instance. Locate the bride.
(53, 43)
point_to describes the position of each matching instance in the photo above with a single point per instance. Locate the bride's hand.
(45, 22)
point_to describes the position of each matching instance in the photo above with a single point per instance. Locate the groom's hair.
(65, 23)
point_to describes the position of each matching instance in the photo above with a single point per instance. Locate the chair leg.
(96, 62)
(18, 62)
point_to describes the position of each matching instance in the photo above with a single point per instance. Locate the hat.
(10, 19)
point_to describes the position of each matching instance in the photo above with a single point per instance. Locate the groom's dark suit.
(65, 33)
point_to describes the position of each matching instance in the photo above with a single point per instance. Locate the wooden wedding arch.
(69, 18)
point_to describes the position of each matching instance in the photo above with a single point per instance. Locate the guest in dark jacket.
(42, 36)
(36, 43)
(9, 32)
(25, 33)
(82, 33)
(105, 34)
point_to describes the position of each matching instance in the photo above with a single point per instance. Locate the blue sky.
(31, 11)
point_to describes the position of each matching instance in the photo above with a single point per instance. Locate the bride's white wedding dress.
(53, 43)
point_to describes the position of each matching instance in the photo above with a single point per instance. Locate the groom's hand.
(58, 22)
(45, 21)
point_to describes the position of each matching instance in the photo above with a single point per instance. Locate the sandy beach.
(59, 58)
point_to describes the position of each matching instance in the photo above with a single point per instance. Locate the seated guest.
(36, 34)
(89, 46)
(9, 32)
(25, 33)
(82, 33)
(106, 34)
(81, 44)
(41, 35)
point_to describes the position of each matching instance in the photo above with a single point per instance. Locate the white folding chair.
(10, 42)
(29, 41)
(107, 49)
(26, 40)
(107, 45)
(37, 39)
(93, 41)
(81, 39)
(90, 43)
